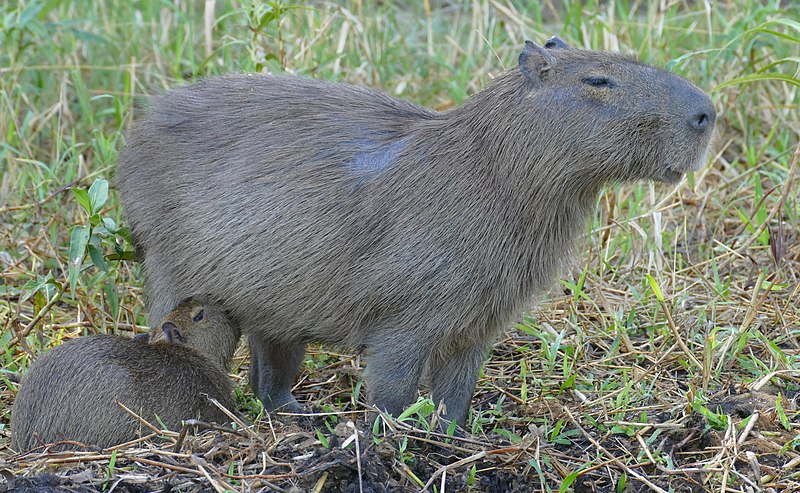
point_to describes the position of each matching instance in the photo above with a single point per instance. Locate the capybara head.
(202, 326)
(626, 120)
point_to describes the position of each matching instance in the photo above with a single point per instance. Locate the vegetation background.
(667, 360)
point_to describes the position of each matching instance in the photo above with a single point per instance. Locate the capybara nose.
(703, 119)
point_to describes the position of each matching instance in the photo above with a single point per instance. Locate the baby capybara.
(70, 393)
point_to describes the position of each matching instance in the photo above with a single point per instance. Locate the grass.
(667, 359)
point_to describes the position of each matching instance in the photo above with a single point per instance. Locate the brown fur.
(338, 214)
(69, 393)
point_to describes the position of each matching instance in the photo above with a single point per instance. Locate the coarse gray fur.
(324, 212)
(70, 392)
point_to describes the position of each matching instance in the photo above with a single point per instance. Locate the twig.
(136, 441)
(748, 428)
(468, 460)
(139, 418)
(238, 421)
(454, 465)
(24, 332)
(101, 457)
(42, 202)
(432, 442)
(181, 437)
(135, 328)
(286, 475)
(214, 483)
(677, 334)
(358, 458)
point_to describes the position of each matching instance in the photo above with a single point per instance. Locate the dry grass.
(686, 380)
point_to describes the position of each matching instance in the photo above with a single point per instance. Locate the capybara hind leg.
(453, 376)
(273, 368)
(392, 375)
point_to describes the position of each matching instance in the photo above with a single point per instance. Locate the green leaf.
(98, 192)
(568, 383)
(97, 258)
(324, 441)
(745, 220)
(718, 421)
(472, 471)
(112, 297)
(788, 59)
(110, 225)
(782, 414)
(422, 406)
(526, 328)
(623, 481)
(94, 220)
(538, 468)
(556, 429)
(35, 285)
(83, 199)
(567, 482)
(266, 19)
(79, 239)
(88, 36)
(29, 14)
(786, 22)
(128, 255)
(376, 427)
(654, 286)
(451, 428)
(523, 393)
(112, 463)
(39, 301)
(125, 233)
(745, 79)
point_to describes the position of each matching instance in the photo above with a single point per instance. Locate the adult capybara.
(322, 212)
(71, 392)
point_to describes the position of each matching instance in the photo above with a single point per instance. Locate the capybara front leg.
(273, 368)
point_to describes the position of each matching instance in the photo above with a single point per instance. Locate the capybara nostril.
(702, 120)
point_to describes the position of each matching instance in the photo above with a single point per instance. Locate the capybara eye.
(597, 81)
(198, 316)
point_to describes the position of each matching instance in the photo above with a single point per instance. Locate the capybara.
(70, 393)
(331, 213)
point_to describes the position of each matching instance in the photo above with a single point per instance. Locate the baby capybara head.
(201, 325)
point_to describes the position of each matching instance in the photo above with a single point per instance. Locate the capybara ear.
(556, 43)
(142, 337)
(536, 62)
(172, 333)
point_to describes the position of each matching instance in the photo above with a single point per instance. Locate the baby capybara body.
(71, 392)
(321, 212)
